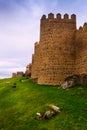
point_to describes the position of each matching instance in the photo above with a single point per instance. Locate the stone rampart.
(61, 51)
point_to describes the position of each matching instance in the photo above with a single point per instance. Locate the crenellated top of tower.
(83, 28)
(59, 17)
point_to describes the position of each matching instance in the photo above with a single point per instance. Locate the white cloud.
(8, 66)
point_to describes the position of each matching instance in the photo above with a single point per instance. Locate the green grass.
(18, 106)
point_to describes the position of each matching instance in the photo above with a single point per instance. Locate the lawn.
(18, 106)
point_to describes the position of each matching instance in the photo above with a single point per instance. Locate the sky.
(20, 28)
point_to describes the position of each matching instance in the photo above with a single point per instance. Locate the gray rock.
(74, 80)
(48, 114)
(68, 84)
(55, 108)
(52, 111)
(38, 116)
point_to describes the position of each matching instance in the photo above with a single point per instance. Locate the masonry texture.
(61, 51)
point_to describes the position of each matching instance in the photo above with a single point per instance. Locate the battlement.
(55, 24)
(83, 28)
(80, 28)
(59, 17)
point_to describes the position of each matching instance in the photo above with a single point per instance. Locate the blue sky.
(19, 28)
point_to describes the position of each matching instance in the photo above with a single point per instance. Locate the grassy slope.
(18, 106)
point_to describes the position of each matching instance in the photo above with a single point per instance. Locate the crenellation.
(58, 16)
(43, 17)
(85, 27)
(66, 16)
(80, 28)
(50, 16)
(85, 24)
(73, 17)
(53, 27)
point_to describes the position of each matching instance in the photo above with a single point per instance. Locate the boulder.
(38, 116)
(52, 111)
(55, 108)
(48, 114)
(74, 80)
(68, 84)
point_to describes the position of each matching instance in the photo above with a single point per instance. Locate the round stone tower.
(54, 56)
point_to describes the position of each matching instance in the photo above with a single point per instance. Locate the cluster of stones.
(61, 51)
(53, 111)
(74, 80)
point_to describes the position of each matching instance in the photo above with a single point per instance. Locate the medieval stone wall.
(35, 61)
(18, 74)
(81, 50)
(57, 48)
(60, 51)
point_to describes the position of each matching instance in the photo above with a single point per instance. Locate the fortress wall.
(35, 61)
(62, 50)
(81, 50)
(57, 63)
(57, 48)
